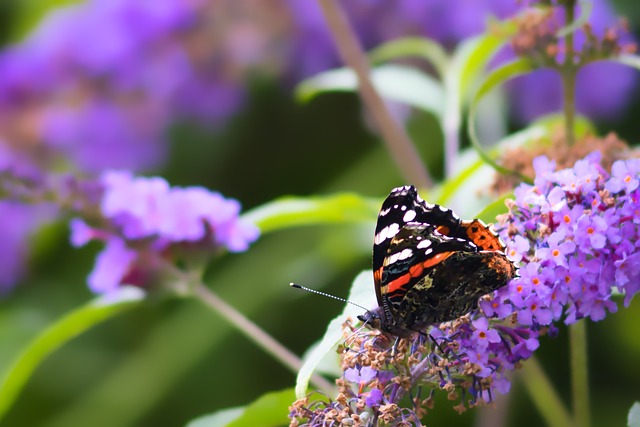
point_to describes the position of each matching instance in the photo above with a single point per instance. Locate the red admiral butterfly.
(429, 266)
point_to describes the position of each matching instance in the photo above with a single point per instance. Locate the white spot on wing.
(386, 233)
(399, 256)
(424, 244)
(409, 216)
(406, 253)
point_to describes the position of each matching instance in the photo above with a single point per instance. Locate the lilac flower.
(482, 334)
(624, 176)
(586, 250)
(374, 398)
(105, 79)
(19, 222)
(112, 266)
(146, 219)
(360, 375)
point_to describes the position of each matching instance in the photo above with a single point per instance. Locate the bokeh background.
(200, 92)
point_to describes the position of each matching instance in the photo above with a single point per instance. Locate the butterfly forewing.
(403, 206)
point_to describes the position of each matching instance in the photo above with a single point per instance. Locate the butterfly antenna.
(313, 291)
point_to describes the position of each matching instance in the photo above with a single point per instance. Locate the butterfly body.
(429, 265)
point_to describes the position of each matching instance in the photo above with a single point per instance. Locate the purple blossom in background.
(147, 219)
(603, 89)
(102, 81)
(19, 222)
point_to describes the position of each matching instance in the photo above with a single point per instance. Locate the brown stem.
(257, 335)
(569, 72)
(398, 143)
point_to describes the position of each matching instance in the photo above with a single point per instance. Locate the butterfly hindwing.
(415, 250)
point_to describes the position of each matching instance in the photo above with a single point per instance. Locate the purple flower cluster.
(451, 22)
(147, 222)
(99, 83)
(575, 234)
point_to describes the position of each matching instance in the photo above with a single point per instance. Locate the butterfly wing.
(429, 265)
(414, 251)
(402, 206)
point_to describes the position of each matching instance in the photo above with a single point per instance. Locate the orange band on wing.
(416, 271)
(443, 229)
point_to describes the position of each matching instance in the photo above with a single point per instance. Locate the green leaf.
(291, 211)
(361, 293)
(219, 418)
(269, 410)
(30, 13)
(471, 59)
(65, 329)
(632, 61)
(633, 419)
(465, 68)
(419, 47)
(399, 83)
(495, 78)
(495, 208)
(585, 12)
(452, 185)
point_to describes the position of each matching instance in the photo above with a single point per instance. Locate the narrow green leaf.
(220, 418)
(495, 208)
(472, 56)
(420, 47)
(399, 83)
(632, 61)
(65, 329)
(361, 293)
(585, 12)
(269, 410)
(452, 185)
(465, 68)
(544, 395)
(291, 211)
(29, 14)
(633, 419)
(495, 78)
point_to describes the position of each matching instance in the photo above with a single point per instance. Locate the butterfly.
(429, 266)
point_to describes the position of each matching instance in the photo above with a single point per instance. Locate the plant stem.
(257, 335)
(579, 373)
(544, 395)
(395, 137)
(569, 71)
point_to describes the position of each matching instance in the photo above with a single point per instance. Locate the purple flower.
(105, 79)
(154, 218)
(112, 266)
(624, 176)
(19, 222)
(581, 252)
(360, 375)
(482, 335)
(374, 398)
(557, 250)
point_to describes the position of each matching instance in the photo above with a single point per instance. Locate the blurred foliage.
(170, 361)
